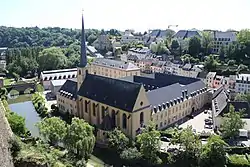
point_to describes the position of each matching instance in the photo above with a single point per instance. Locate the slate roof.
(183, 34)
(219, 103)
(115, 64)
(165, 94)
(113, 92)
(69, 89)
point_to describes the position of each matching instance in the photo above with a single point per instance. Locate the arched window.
(86, 106)
(50, 78)
(93, 104)
(45, 79)
(141, 118)
(73, 76)
(103, 111)
(124, 121)
(64, 77)
(79, 72)
(55, 77)
(113, 117)
(60, 77)
(69, 76)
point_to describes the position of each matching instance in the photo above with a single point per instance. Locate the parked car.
(205, 112)
(209, 123)
(165, 139)
(208, 126)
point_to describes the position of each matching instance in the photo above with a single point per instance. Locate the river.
(27, 110)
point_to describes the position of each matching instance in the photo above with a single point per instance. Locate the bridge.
(22, 88)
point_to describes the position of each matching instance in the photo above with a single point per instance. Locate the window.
(79, 72)
(103, 111)
(94, 114)
(113, 117)
(45, 79)
(124, 121)
(141, 118)
(86, 106)
(161, 124)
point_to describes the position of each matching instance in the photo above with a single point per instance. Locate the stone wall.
(5, 135)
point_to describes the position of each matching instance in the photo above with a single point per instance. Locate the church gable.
(141, 101)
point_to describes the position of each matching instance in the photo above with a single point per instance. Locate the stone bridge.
(21, 88)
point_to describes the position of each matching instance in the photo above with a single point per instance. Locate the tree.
(91, 39)
(206, 42)
(52, 58)
(39, 88)
(210, 63)
(118, 140)
(52, 129)
(17, 124)
(149, 143)
(231, 62)
(242, 68)
(222, 52)
(213, 153)
(194, 46)
(80, 139)
(131, 155)
(175, 44)
(159, 48)
(242, 97)
(190, 145)
(232, 122)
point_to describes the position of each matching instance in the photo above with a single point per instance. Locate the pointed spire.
(83, 58)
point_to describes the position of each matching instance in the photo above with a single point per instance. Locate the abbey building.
(129, 102)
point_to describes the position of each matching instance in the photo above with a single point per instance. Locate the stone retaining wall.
(5, 135)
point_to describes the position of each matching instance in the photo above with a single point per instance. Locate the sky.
(140, 15)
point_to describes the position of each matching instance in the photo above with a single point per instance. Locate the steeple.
(83, 58)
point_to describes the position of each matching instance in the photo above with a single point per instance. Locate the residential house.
(222, 39)
(103, 42)
(242, 84)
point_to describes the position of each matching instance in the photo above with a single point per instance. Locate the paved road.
(197, 123)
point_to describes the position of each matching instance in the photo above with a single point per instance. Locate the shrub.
(238, 161)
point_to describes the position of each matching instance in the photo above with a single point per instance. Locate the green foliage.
(210, 63)
(15, 146)
(91, 39)
(238, 161)
(80, 139)
(39, 104)
(232, 122)
(187, 58)
(194, 46)
(231, 62)
(206, 42)
(117, 140)
(39, 88)
(175, 44)
(131, 155)
(3, 93)
(191, 146)
(159, 48)
(242, 97)
(52, 129)
(149, 144)
(17, 123)
(52, 58)
(214, 154)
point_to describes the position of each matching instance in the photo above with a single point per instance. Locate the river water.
(27, 110)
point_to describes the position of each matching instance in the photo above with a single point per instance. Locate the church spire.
(83, 58)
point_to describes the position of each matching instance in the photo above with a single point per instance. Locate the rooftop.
(115, 64)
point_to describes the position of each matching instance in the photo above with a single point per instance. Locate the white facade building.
(222, 38)
(242, 84)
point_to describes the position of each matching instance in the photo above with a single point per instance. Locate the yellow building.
(113, 68)
(131, 102)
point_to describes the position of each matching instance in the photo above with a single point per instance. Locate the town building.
(210, 79)
(47, 76)
(222, 39)
(128, 37)
(131, 102)
(184, 34)
(242, 84)
(221, 104)
(113, 68)
(55, 86)
(103, 42)
(3, 57)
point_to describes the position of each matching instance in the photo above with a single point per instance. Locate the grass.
(20, 99)
(8, 81)
(95, 161)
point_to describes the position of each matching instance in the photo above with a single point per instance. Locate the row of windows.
(104, 112)
(222, 39)
(243, 90)
(242, 85)
(59, 77)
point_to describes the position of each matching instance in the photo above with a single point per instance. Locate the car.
(208, 126)
(165, 139)
(207, 120)
(209, 123)
(205, 112)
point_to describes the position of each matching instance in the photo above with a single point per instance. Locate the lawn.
(7, 81)
(20, 99)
